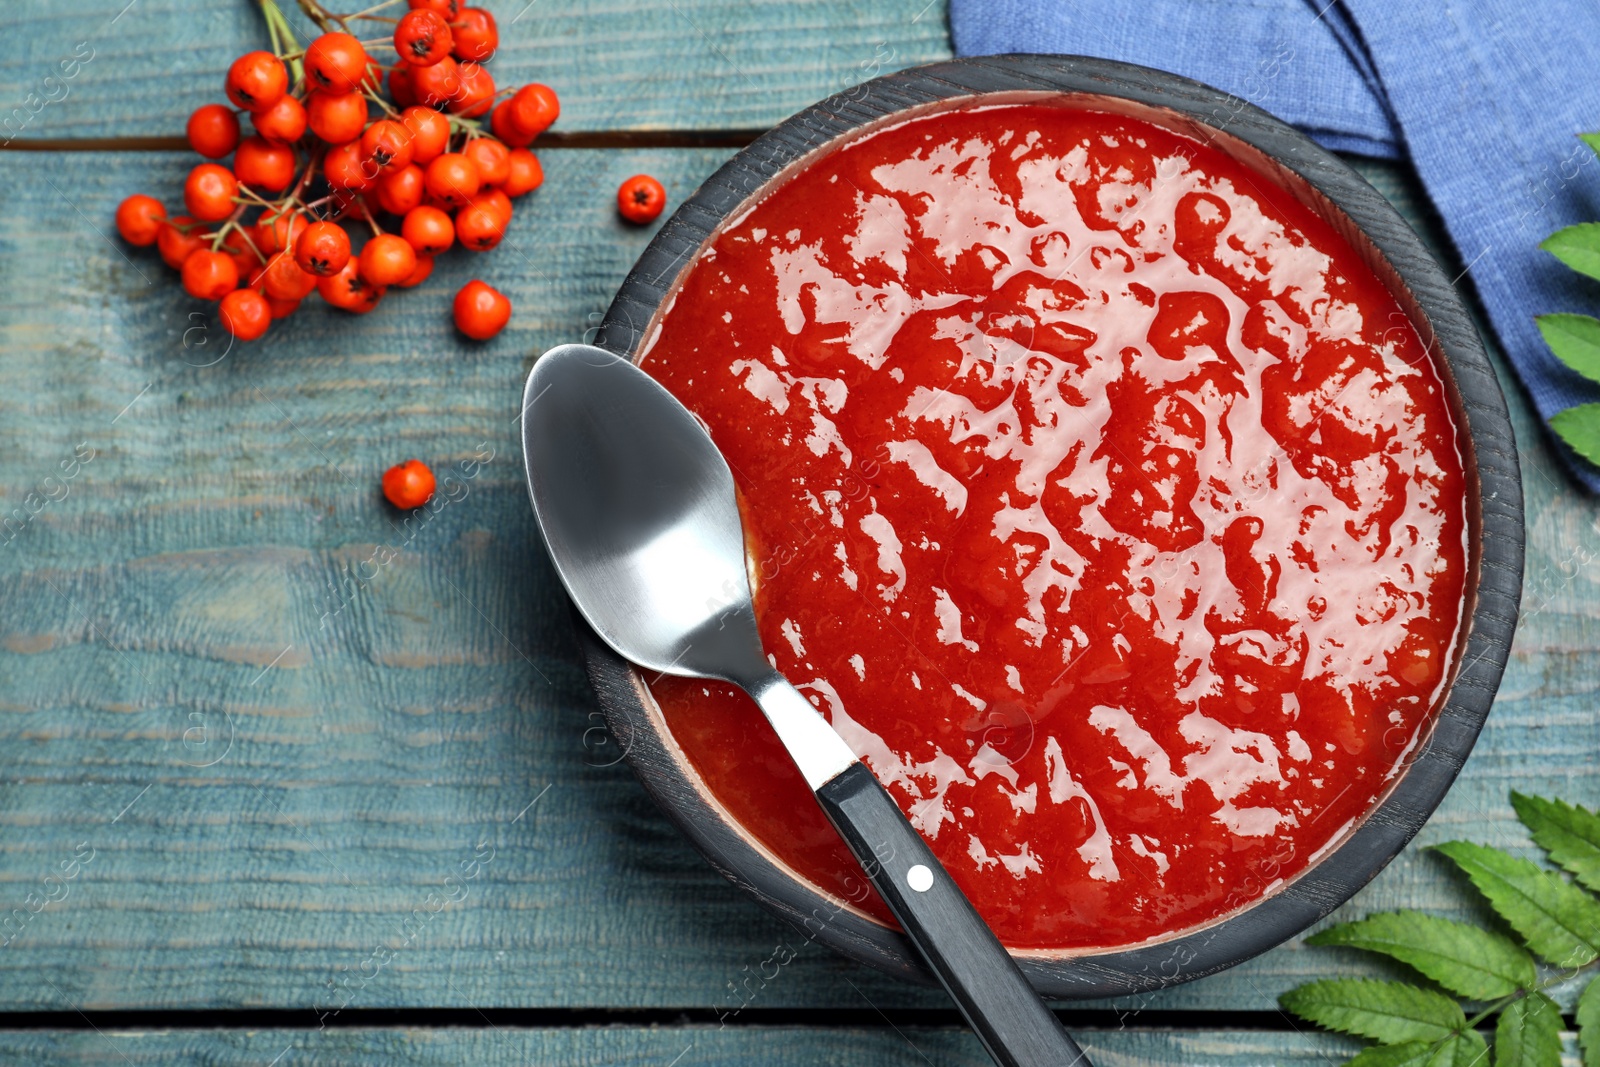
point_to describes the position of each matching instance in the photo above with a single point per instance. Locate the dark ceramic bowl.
(1494, 506)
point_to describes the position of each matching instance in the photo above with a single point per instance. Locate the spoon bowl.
(638, 508)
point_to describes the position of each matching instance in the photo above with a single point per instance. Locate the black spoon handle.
(972, 965)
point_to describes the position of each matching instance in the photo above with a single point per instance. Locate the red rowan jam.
(1096, 490)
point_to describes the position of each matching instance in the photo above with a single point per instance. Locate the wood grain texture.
(664, 1047)
(617, 65)
(268, 831)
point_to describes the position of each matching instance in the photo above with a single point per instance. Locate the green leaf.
(1529, 1033)
(1577, 246)
(1463, 1050)
(1467, 1050)
(1467, 960)
(1592, 140)
(1410, 1054)
(1390, 1012)
(1558, 920)
(1569, 833)
(1580, 427)
(1575, 339)
(1588, 1014)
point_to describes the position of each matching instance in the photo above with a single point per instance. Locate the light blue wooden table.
(277, 756)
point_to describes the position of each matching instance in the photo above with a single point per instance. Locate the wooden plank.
(279, 754)
(663, 1047)
(140, 68)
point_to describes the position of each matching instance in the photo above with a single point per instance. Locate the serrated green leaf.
(1390, 1012)
(1410, 1054)
(1575, 339)
(1463, 1050)
(1577, 246)
(1570, 834)
(1592, 140)
(1529, 1033)
(1588, 1014)
(1467, 960)
(1558, 920)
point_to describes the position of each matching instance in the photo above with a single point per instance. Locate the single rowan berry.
(504, 130)
(208, 192)
(386, 144)
(323, 249)
(387, 260)
(175, 244)
(423, 37)
(400, 190)
(345, 169)
(428, 230)
(490, 157)
(349, 291)
(245, 313)
(213, 130)
(641, 198)
(480, 226)
(453, 179)
(256, 81)
(336, 63)
(408, 485)
(140, 219)
(476, 35)
(283, 122)
(283, 279)
(209, 275)
(430, 133)
(437, 85)
(481, 312)
(523, 173)
(337, 117)
(533, 109)
(448, 8)
(476, 95)
(263, 165)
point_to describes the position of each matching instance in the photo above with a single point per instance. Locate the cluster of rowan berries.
(328, 149)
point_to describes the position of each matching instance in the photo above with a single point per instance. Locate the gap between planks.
(552, 139)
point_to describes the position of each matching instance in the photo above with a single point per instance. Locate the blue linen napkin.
(1485, 97)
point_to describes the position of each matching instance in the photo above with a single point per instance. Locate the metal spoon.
(637, 507)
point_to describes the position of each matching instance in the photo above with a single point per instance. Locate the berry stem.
(322, 16)
(247, 195)
(378, 99)
(367, 211)
(284, 43)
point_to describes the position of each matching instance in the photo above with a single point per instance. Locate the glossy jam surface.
(1099, 494)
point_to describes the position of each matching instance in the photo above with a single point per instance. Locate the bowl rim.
(1494, 515)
